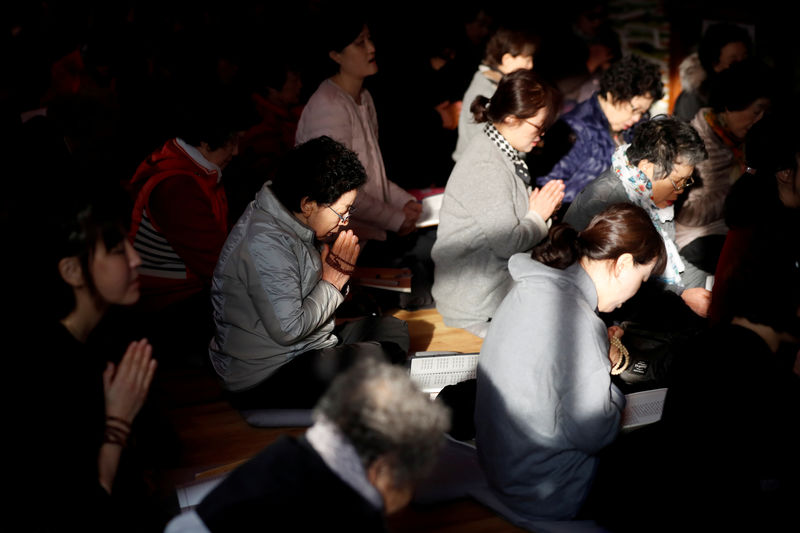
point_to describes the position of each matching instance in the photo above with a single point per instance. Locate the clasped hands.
(339, 260)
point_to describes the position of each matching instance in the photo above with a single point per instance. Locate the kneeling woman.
(545, 402)
(652, 172)
(278, 283)
(489, 211)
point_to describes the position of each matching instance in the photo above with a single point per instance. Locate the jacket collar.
(521, 266)
(198, 158)
(266, 201)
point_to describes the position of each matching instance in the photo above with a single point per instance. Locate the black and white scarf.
(520, 167)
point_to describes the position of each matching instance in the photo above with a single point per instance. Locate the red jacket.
(179, 224)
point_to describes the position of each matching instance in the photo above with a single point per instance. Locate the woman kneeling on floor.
(278, 283)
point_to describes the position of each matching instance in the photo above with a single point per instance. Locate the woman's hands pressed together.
(339, 260)
(126, 384)
(546, 201)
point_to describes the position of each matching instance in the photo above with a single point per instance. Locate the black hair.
(320, 169)
(519, 94)
(77, 215)
(738, 86)
(632, 76)
(618, 229)
(214, 116)
(714, 40)
(772, 145)
(342, 22)
(665, 141)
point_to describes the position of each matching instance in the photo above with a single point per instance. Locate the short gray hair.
(383, 413)
(664, 141)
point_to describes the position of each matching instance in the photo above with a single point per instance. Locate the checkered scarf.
(520, 167)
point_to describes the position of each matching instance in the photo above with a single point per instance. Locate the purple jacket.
(591, 153)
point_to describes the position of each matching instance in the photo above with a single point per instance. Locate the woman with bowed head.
(281, 276)
(545, 403)
(652, 172)
(80, 265)
(343, 109)
(740, 97)
(490, 211)
(605, 121)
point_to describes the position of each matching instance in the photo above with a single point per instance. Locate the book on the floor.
(433, 371)
(391, 279)
(643, 408)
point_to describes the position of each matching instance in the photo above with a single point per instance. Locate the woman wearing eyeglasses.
(602, 123)
(652, 172)
(281, 276)
(490, 211)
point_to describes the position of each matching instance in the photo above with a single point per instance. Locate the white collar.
(199, 158)
(341, 457)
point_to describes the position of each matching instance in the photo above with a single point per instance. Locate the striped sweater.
(179, 223)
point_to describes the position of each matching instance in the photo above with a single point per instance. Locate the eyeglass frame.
(344, 218)
(687, 182)
(540, 130)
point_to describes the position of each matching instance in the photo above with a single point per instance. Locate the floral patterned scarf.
(640, 192)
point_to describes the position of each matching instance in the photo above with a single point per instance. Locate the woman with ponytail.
(545, 401)
(490, 210)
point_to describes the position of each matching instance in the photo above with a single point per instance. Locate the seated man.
(375, 435)
(180, 214)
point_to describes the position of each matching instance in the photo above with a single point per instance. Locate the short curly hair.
(632, 76)
(664, 141)
(321, 170)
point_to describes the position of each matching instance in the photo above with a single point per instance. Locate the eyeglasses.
(540, 130)
(683, 183)
(344, 218)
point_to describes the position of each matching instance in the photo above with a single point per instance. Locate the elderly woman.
(375, 435)
(278, 284)
(545, 403)
(651, 172)
(489, 211)
(602, 123)
(739, 99)
(507, 50)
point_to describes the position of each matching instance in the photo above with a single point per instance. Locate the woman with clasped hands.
(281, 276)
(78, 409)
(490, 211)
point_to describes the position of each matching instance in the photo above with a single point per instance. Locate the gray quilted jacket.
(270, 303)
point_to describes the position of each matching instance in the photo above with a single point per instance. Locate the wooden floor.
(213, 437)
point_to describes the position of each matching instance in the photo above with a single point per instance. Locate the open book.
(643, 408)
(433, 371)
(431, 205)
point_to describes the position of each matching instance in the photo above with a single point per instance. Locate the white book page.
(643, 408)
(430, 211)
(432, 373)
